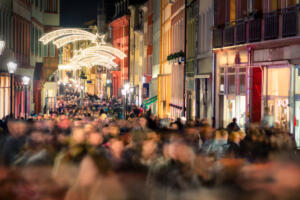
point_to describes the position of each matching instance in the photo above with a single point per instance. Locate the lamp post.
(11, 67)
(125, 91)
(26, 81)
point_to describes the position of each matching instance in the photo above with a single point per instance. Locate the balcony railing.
(290, 22)
(228, 35)
(240, 32)
(254, 30)
(271, 25)
(218, 38)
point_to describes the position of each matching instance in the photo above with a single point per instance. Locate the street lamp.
(124, 92)
(11, 67)
(26, 81)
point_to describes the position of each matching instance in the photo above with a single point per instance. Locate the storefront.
(232, 95)
(296, 120)
(176, 103)
(277, 92)
(4, 95)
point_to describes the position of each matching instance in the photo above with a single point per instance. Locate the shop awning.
(150, 101)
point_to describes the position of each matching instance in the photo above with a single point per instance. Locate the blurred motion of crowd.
(86, 151)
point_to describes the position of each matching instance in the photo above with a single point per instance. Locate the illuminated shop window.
(4, 96)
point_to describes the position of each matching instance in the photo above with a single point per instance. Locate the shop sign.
(282, 103)
(146, 90)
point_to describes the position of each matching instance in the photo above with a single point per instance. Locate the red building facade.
(120, 38)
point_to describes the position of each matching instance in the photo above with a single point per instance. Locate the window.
(231, 86)
(273, 5)
(47, 5)
(219, 12)
(242, 81)
(241, 9)
(222, 80)
(232, 10)
(52, 50)
(32, 39)
(36, 39)
(54, 6)
(291, 2)
(41, 4)
(39, 43)
(255, 5)
(276, 87)
(45, 53)
(4, 96)
(298, 81)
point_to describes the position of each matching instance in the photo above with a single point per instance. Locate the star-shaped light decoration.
(100, 39)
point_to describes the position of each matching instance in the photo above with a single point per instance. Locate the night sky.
(74, 13)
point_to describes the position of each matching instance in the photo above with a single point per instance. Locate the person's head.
(95, 139)
(234, 120)
(149, 147)
(143, 122)
(116, 146)
(78, 135)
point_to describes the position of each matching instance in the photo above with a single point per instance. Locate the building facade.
(138, 11)
(177, 64)
(120, 40)
(164, 77)
(204, 61)
(6, 34)
(257, 64)
(155, 53)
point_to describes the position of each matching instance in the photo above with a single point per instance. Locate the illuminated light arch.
(90, 50)
(64, 32)
(98, 55)
(114, 51)
(68, 67)
(95, 58)
(92, 63)
(92, 57)
(72, 38)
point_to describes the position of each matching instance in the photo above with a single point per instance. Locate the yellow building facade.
(165, 70)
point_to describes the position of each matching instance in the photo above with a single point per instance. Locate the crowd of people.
(86, 151)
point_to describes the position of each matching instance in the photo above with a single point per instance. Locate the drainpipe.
(128, 67)
(248, 85)
(184, 67)
(214, 78)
